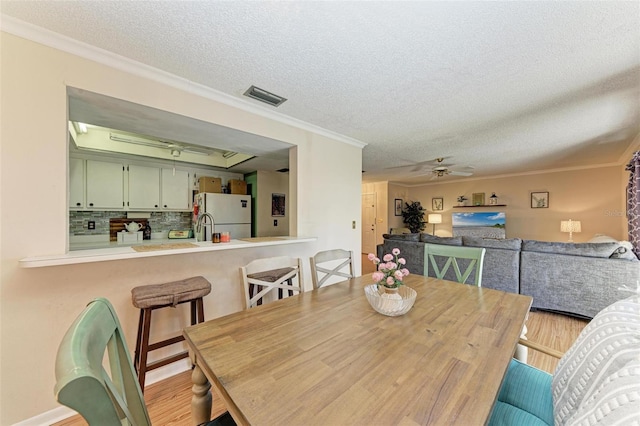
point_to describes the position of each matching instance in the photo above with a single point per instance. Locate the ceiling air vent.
(264, 96)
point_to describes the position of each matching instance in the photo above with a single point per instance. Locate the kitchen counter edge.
(119, 253)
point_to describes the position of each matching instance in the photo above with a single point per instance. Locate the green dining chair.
(464, 261)
(597, 381)
(101, 396)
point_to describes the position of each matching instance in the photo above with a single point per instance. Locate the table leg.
(201, 399)
(522, 352)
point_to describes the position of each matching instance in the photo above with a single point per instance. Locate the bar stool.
(148, 298)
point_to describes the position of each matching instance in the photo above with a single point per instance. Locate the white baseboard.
(60, 413)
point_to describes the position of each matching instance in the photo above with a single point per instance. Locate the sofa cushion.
(524, 398)
(402, 237)
(598, 379)
(449, 241)
(502, 243)
(579, 249)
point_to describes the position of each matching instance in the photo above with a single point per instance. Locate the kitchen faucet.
(202, 218)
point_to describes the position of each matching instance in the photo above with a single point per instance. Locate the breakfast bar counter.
(151, 249)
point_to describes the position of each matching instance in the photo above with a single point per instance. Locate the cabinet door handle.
(165, 206)
(78, 204)
(90, 204)
(156, 205)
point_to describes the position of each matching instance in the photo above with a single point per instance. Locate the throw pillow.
(402, 237)
(449, 241)
(502, 243)
(624, 251)
(601, 238)
(598, 379)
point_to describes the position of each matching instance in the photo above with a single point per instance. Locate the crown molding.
(66, 44)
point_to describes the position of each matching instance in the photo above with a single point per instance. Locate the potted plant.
(461, 200)
(413, 216)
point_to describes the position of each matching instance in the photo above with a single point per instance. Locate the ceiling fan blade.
(459, 173)
(421, 165)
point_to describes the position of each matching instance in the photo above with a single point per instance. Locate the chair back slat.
(318, 266)
(436, 254)
(82, 383)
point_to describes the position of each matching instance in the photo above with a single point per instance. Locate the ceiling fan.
(441, 169)
(438, 168)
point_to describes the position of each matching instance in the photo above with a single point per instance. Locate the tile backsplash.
(159, 221)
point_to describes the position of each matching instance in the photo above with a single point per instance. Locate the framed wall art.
(539, 200)
(437, 204)
(477, 199)
(398, 206)
(277, 205)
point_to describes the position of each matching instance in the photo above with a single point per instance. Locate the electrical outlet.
(91, 225)
(275, 222)
(353, 225)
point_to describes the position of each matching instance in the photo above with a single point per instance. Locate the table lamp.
(434, 218)
(570, 226)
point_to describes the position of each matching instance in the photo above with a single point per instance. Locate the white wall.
(37, 305)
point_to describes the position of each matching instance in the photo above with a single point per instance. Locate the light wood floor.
(169, 401)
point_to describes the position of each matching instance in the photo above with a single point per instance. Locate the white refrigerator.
(231, 213)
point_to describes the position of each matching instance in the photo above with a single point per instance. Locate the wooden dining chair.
(270, 279)
(438, 258)
(101, 396)
(329, 264)
(597, 381)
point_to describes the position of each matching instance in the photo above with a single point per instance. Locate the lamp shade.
(434, 218)
(570, 226)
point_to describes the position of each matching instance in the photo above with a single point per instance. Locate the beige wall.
(594, 196)
(37, 305)
(272, 183)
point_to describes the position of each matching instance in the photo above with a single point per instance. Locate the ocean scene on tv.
(485, 224)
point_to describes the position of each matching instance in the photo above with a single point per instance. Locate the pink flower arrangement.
(391, 269)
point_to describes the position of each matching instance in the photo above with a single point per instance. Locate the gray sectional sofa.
(575, 279)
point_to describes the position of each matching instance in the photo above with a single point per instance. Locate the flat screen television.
(483, 224)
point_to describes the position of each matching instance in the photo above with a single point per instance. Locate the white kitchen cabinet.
(176, 190)
(105, 185)
(76, 183)
(144, 187)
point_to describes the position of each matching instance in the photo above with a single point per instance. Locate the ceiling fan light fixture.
(175, 152)
(264, 96)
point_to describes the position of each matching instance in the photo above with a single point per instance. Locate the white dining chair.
(329, 264)
(270, 279)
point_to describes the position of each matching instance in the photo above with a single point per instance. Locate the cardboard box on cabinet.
(209, 184)
(237, 186)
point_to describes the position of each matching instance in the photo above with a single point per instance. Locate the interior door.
(369, 223)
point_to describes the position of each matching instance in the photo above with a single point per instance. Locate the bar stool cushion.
(270, 276)
(171, 293)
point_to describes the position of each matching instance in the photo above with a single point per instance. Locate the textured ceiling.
(502, 87)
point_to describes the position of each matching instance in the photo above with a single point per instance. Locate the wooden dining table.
(326, 357)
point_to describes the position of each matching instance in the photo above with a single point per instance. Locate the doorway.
(369, 223)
